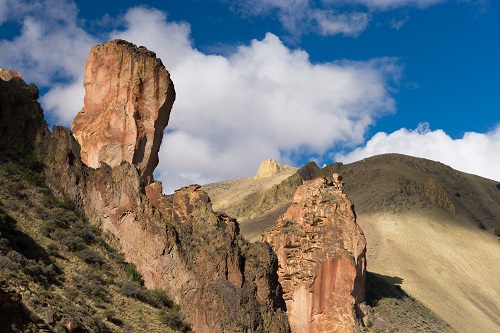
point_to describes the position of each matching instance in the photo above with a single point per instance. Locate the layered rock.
(321, 255)
(128, 98)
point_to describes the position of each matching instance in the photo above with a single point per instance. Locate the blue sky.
(296, 80)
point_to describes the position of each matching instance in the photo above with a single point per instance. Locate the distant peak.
(270, 168)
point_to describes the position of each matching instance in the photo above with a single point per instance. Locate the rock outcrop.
(128, 98)
(321, 255)
(19, 109)
(270, 168)
(7, 74)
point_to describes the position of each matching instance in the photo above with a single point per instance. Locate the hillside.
(428, 227)
(57, 273)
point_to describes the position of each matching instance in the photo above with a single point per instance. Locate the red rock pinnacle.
(321, 257)
(128, 98)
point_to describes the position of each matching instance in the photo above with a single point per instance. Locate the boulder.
(128, 98)
(321, 258)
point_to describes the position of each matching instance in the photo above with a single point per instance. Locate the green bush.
(496, 231)
(162, 297)
(134, 274)
(173, 320)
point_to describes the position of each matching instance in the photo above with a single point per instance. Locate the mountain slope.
(428, 226)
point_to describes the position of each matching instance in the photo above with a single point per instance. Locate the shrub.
(130, 288)
(90, 256)
(496, 231)
(134, 274)
(173, 320)
(162, 297)
(481, 225)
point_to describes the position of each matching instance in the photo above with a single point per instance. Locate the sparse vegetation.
(496, 231)
(56, 260)
(481, 225)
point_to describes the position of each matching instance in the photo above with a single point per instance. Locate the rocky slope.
(178, 244)
(428, 227)
(322, 258)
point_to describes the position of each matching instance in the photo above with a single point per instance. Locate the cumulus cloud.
(51, 47)
(475, 153)
(263, 100)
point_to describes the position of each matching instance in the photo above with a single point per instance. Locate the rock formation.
(178, 243)
(7, 74)
(128, 98)
(18, 109)
(321, 256)
(270, 168)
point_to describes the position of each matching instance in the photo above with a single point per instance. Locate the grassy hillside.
(57, 273)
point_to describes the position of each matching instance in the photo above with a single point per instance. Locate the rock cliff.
(321, 255)
(18, 109)
(128, 98)
(178, 243)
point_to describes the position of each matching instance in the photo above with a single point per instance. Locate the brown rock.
(22, 126)
(270, 168)
(222, 283)
(437, 195)
(7, 74)
(321, 256)
(128, 97)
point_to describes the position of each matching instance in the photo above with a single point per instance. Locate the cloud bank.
(263, 100)
(475, 153)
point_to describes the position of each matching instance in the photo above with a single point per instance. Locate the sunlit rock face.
(128, 98)
(321, 258)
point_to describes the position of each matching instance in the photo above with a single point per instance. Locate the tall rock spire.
(128, 98)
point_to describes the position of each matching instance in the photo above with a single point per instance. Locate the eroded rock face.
(321, 255)
(128, 98)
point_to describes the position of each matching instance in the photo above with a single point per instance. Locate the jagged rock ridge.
(322, 258)
(128, 98)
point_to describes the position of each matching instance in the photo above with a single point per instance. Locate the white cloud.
(263, 100)
(300, 17)
(332, 23)
(50, 47)
(475, 153)
(386, 4)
